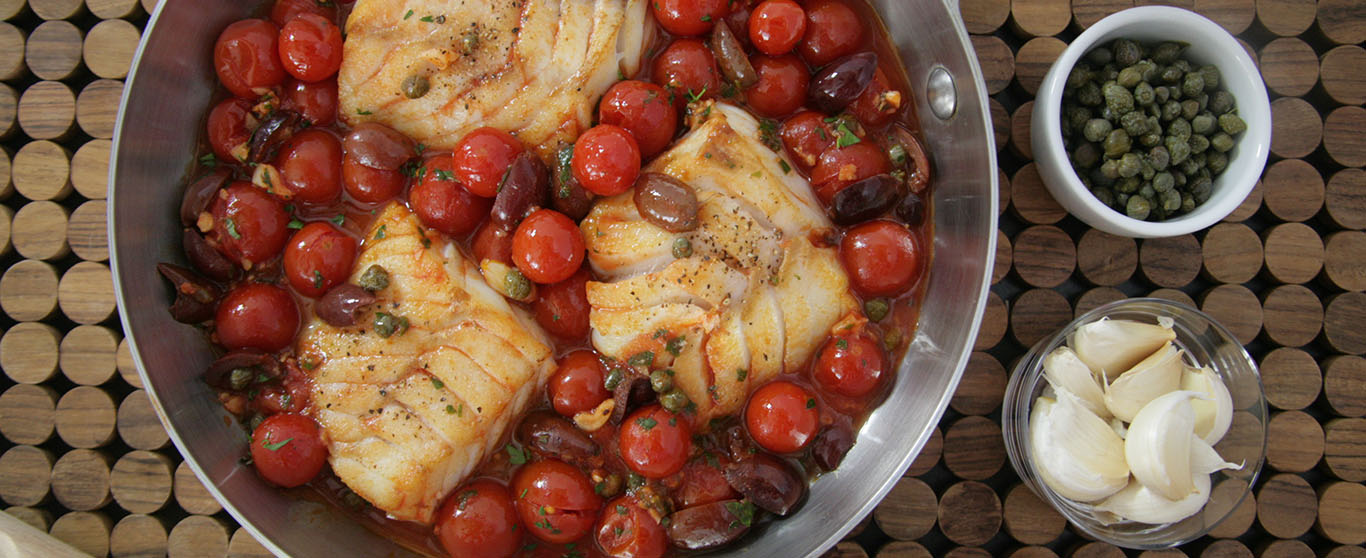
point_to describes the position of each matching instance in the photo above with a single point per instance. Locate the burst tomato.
(643, 109)
(442, 203)
(287, 449)
(655, 442)
(577, 385)
(562, 308)
(776, 26)
(310, 47)
(257, 316)
(547, 247)
(482, 158)
(246, 60)
(782, 417)
(250, 226)
(606, 160)
(626, 530)
(310, 166)
(850, 365)
(318, 258)
(883, 258)
(479, 519)
(555, 500)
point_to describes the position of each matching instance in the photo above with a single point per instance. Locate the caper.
(1105, 196)
(1144, 94)
(1231, 124)
(1077, 118)
(1193, 84)
(1118, 99)
(1100, 56)
(1203, 124)
(1164, 182)
(1170, 110)
(614, 377)
(1150, 139)
(674, 400)
(1199, 143)
(1129, 185)
(1170, 74)
(1201, 189)
(876, 309)
(1129, 165)
(1085, 155)
(1221, 142)
(1078, 76)
(1216, 161)
(415, 86)
(1096, 129)
(1110, 169)
(662, 380)
(1134, 123)
(682, 248)
(1137, 208)
(1161, 94)
(517, 285)
(1180, 129)
(1117, 143)
(1178, 148)
(1147, 70)
(1170, 200)
(1147, 191)
(375, 278)
(1190, 108)
(1187, 202)
(1098, 178)
(1211, 76)
(387, 325)
(1159, 157)
(1190, 165)
(1129, 77)
(1203, 99)
(1221, 102)
(240, 378)
(1089, 94)
(1166, 52)
(1146, 169)
(1127, 52)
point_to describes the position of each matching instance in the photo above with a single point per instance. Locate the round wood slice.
(112, 9)
(1286, 18)
(29, 353)
(1292, 315)
(128, 370)
(56, 9)
(1342, 21)
(243, 545)
(87, 231)
(1294, 442)
(1349, 551)
(1342, 321)
(1245, 435)
(1296, 127)
(86, 293)
(87, 354)
(28, 290)
(80, 480)
(9, 9)
(141, 481)
(1294, 252)
(109, 48)
(191, 495)
(1251, 204)
(1342, 512)
(1000, 124)
(1002, 191)
(9, 109)
(1038, 313)
(150, 5)
(1005, 254)
(6, 221)
(983, 17)
(27, 413)
(1170, 262)
(90, 169)
(1233, 520)
(1232, 253)
(54, 50)
(1031, 199)
(1342, 136)
(995, 319)
(1046, 256)
(138, 424)
(1293, 190)
(12, 41)
(1088, 13)
(39, 231)
(969, 513)
(25, 474)
(1291, 378)
(1020, 122)
(197, 536)
(98, 106)
(1227, 548)
(1286, 506)
(1040, 18)
(982, 386)
(42, 171)
(1233, 15)
(846, 550)
(1237, 308)
(1289, 66)
(1344, 448)
(1340, 73)
(997, 61)
(47, 110)
(1164, 553)
(138, 536)
(1174, 295)
(1032, 551)
(1095, 298)
(1286, 549)
(1035, 57)
(86, 417)
(1344, 385)
(1344, 260)
(1105, 259)
(967, 552)
(973, 448)
(928, 456)
(6, 186)
(1096, 550)
(851, 535)
(85, 530)
(1029, 519)
(37, 518)
(908, 511)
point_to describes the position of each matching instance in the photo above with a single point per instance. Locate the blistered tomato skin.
(776, 26)
(689, 17)
(655, 442)
(481, 159)
(839, 167)
(781, 89)
(310, 165)
(257, 316)
(806, 135)
(318, 258)
(246, 59)
(832, 30)
(285, 10)
(371, 185)
(606, 160)
(317, 101)
(250, 226)
(287, 449)
(782, 417)
(443, 204)
(849, 365)
(562, 308)
(687, 69)
(228, 127)
(310, 47)
(883, 258)
(547, 247)
(577, 385)
(626, 530)
(479, 519)
(555, 500)
(643, 109)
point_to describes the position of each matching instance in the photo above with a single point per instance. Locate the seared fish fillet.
(535, 68)
(408, 417)
(761, 290)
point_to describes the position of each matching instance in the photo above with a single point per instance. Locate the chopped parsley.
(275, 446)
(743, 512)
(465, 498)
(695, 97)
(647, 423)
(786, 167)
(317, 279)
(444, 175)
(364, 112)
(757, 174)
(387, 324)
(208, 160)
(517, 456)
(842, 343)
(231, 227)
(338, 219)
(295, 224)
(643, 358)
(450, 409)
(437, 383)
(380, 232)
(675, 345)
(811, 403)
(741, 374)
(768, 135)
(408, 15)
(621, 510)
(706, 17)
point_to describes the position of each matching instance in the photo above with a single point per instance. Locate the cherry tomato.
(228, 127)
(782, 417)
(285, 10)
(689, 17)
(687, 68)
(878, 102)
(781, 88)
(776, 26)
(257, 316)
(883, 258)
(246, 60)
(626, 530)
(547, 247)
(850, 365)
(317, 101)
(482, 158)
(832, 30)
(806, 135)
(250, 226)
(841, 166)
(478, 519)
(287, 449)
(443, 204)
(492, 242)
(310, 165)
(655, 442)
(318, 258)
(371, 185)
(311, 47)
(556, 501)
(702, 483)
(562, 308)
(576, 385)
(643, 109)
(606, 160)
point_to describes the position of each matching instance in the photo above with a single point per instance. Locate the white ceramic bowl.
(1209, 44)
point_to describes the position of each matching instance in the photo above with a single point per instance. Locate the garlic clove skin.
(1109, 347)
(1137, 502)
(1076, 453)
(1212, 417)
(1204, 458)
(1158, 374)
(1063, 369)
(1158, 448)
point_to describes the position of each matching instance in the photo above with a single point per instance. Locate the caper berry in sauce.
(415, 86)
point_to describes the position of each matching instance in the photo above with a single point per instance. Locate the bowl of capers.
(1154, 122)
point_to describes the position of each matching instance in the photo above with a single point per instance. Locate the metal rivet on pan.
(943, 95)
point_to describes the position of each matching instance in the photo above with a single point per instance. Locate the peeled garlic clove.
(1205, 460)
(1075, 452)
(1111, 346)
(1212, 417)
(1158, 448)
(1063, 369)
(1119, 427)
(1156, 375)
(1139, 503)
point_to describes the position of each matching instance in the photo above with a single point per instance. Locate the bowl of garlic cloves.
(1143, 422)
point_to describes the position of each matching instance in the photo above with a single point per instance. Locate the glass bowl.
(1209, 343)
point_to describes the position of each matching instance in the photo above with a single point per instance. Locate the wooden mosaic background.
(83, 456)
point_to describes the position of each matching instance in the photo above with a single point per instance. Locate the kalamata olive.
(911, 210)
(830, 446)
(220, 371)
(767, 481)
(906, 152)
(865, 199)
(205, 258)
(525, 187)
(196, 298)
(710, 525)
(378, 146)
(730, 56)
(199, 194)
(630, 394)
(552, 435)
(840, 83)
(339, 304)
(567, 196)
(666, 202)
(273, 132)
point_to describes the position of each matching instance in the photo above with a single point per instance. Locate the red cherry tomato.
(443, 204)
(850, 365)
(492, 242)
(478, 519)
(311, 47)
(840, 167)
(576, 385)
(883, 258)
(643, 109)
(318, 258)
(317, 101)
(776, 26)
(626, 530)
(878, 102)
(606, 160)
(782, 417)
(310, 165)
(655, 442)
(781, 88)
(285, 10)
(703, 483)
(562, 308)
(249, 224)
(806, 135)
(482, 158)
(556, 501)
(257, 316)
(547, 247)
(371, 185)
(689, 17)
(228, 127)
(246, 60)
(832, 30)
(287, 449)
(688, 69)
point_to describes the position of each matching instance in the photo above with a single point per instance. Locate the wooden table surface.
(83, 456)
